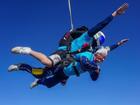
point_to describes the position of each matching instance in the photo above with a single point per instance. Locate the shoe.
(13, 68)
(21, 50)
(34, 83)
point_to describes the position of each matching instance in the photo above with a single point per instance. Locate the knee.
(48, 63)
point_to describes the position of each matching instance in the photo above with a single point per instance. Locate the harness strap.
(75, 70)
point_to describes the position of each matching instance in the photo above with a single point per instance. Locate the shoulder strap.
(75, 70)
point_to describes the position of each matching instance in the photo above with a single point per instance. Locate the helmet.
(100, 38)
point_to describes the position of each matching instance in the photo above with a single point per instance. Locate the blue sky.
(41, 23)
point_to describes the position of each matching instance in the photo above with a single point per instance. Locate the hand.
(122, 41)
(120, 10)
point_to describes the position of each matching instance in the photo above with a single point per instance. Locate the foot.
(13, 68)
(21, 50)
(34, 83)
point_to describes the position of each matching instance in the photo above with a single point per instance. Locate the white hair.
(103, 50)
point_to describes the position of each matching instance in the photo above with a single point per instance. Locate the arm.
(123, 41)
(94, 74)
(88, 36)
(106, 21)
(100, 26)
(90, 66)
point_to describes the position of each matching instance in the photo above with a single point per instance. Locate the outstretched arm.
(123, 41)
(88, 36)
(106, 21)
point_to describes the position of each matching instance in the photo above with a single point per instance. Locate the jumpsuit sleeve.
(100, 26)
(94, 74)
(112, 47)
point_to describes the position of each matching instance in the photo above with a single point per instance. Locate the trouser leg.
(49, 82)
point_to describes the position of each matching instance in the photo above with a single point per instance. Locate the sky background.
(41, 23)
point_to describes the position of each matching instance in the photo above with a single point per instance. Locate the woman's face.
(99, 58)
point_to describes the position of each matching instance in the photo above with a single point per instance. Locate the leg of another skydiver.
(47, 61)
(42, 58)
(20, 67)
(49, 82)
(36, 72)
(58, 77)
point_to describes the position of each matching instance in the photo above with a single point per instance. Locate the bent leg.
(47, 61)
(42, 58)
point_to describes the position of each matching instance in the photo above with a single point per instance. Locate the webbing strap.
(75, 70)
